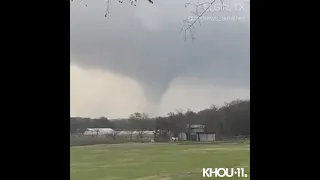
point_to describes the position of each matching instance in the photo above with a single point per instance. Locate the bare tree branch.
(200, 10)
(108, 4)
(188, 25)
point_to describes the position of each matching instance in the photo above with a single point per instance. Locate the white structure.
(98, 131)
(135, 132)
(182, 136)
(207, 137)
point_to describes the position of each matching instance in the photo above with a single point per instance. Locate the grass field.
(147, 161)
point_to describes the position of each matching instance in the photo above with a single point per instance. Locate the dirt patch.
(170, 176)
(216, 149)
(99, 151)
(110, 178)
(79, 165)
(159, 177)
(126, 160)
(100, 166)
(82, 170)
(242, 166)
(122, 165)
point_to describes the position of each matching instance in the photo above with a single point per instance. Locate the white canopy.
(98, 131)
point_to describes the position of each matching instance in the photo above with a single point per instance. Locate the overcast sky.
(136, 58)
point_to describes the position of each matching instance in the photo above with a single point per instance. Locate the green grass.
(157, 161)
(94, 140)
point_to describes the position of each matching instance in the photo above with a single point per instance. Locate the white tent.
(98, 131)
(135, 132)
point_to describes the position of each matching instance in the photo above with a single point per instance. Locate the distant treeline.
(232, 119)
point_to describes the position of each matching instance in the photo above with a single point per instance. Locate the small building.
(206, 136)
(198, 132)
(193, 129)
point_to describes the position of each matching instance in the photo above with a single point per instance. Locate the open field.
(155, 161)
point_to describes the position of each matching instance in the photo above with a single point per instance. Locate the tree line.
(232, 119)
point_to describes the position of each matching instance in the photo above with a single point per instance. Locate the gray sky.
(136, 59)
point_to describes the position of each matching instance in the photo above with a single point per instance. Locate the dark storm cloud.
(124, 44)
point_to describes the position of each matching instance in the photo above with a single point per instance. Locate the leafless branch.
(200, 10)
(188, 25)
(108, 4)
